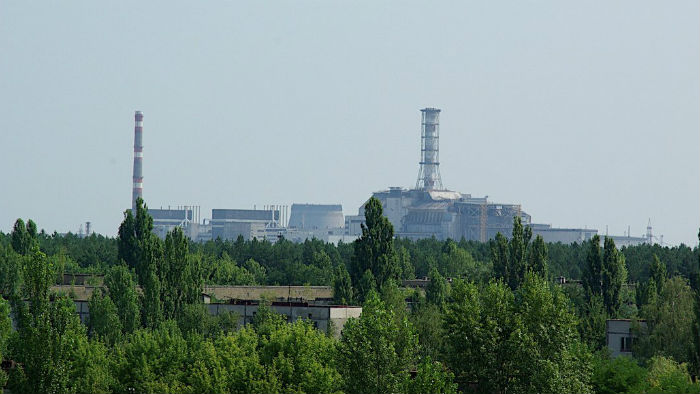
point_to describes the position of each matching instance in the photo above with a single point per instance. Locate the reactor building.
(429, 210)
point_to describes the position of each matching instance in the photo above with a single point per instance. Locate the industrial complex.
(425, 211)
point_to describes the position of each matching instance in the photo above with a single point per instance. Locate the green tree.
(374, 250)
(500, 256)
(10, 272)
(523, 342)
(617, 375)
(302, 358)
(657, 271)
(667, 376)
(5, 332)
(342, 287)
(374, 352)
(695, 352)
(23, 236)
(104, 320)
(89, 367)
(436, 292)
(592, 322)
(431, 377)
(153, 361)
(181, 275)
(426, 318)
(613, 276)
(257, 270)
(366, 285)
(48, 332)
(669, 321)
(513, 259)
(593, 270)
(122, 291)
(537, 257)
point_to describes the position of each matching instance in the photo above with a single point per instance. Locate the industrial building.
(316, 217)
(249, 223)
(427, 210)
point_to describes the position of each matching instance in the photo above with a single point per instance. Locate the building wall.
(273, 293)
(618, 336)
(564, 235)
(319, 315)
(316, 216)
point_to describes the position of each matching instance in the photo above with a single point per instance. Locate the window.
(626, 344)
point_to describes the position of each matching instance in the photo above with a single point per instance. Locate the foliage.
(180, 275)
(366, 285)
(613, 275)
(593, 271)
(374, 350)
(374, 250)
(342, 286)
(436, 292)
(668, 376)
(302, 359)
(431, 377)
(514, 259)
(523, 341)
(104, 320)
(122, 291)
(10, 272)
(427, 321)
(617, 375)
(592, 323)
(669, 321)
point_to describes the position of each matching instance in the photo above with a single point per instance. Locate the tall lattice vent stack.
(138, 160)
(429, 173)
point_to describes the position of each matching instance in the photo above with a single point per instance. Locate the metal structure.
(137, 191)
(429, 173)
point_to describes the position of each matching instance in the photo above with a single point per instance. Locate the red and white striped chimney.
(138, 160)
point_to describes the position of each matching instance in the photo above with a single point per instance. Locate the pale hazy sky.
(585, 112)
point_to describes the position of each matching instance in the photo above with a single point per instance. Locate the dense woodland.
(493, 319)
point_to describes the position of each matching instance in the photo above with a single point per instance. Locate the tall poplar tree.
(374, 250)
(592, 273)
(613, 276)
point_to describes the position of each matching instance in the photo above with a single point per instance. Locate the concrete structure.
(294, 302)
(249, 223)
(322, 316)
(318, 294)
(563, 235)
(316, 217)
(431, 211)
(626, 240)
(164, 220)
(443, 214)
(619, 337)
(137, 190)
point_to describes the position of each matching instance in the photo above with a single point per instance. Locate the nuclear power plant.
(425, 211)
(430, 210)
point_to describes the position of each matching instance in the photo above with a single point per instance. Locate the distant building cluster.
(425, 211)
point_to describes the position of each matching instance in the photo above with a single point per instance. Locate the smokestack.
(138, 160)
(429, 173)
